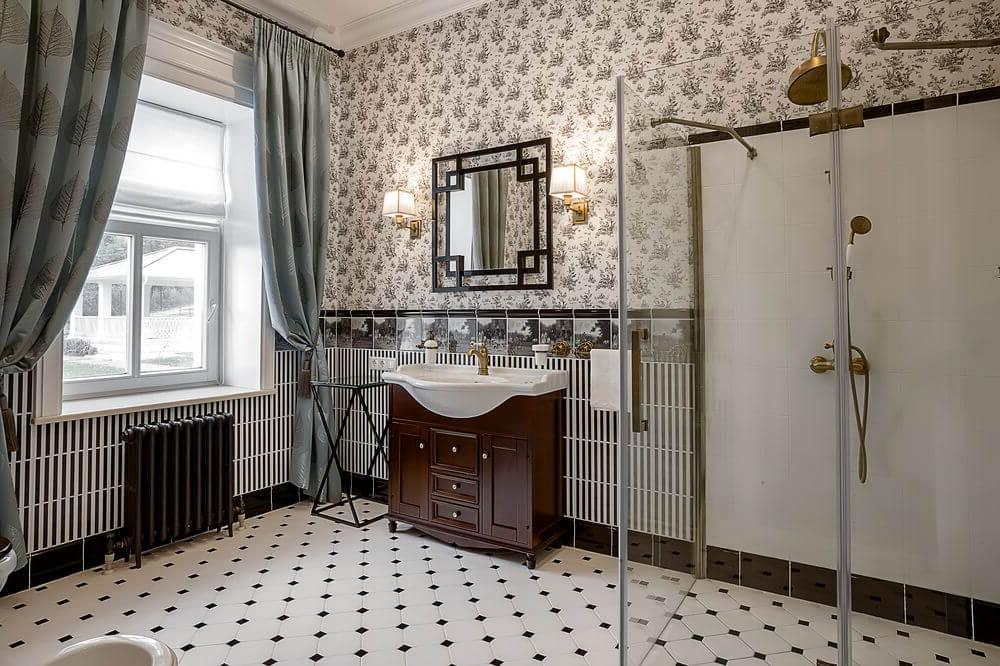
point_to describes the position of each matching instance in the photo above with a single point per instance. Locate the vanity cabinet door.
(507, 491)
(409, 487)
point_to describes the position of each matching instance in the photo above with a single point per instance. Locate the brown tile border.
(816, 584)
(907, 604)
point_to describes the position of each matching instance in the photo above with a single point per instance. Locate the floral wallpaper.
(512, 70)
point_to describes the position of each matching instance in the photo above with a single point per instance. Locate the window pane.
(95, 339)
(174, 290)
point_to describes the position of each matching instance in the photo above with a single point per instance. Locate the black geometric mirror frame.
(530, 167)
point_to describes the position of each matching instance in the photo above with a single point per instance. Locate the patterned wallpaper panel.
(512, 70)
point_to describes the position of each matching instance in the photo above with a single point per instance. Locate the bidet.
(8, 561)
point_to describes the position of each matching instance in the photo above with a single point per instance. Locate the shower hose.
(860, 407)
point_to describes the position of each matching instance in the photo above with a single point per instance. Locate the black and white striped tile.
(662, 462)
(68, 475)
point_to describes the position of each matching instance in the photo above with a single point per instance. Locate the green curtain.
(69, 79)
(292, 118)
(489, 230)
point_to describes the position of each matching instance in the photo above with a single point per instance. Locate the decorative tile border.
(870, 113)
(505, 332)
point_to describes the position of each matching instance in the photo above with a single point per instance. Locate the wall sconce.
(569, 182)
(401, 206)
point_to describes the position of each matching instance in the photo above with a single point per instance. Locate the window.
(173, 310)
(148, 315)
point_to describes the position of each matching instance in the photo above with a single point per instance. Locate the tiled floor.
(294, 589)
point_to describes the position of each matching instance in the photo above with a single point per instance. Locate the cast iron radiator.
(178, 480)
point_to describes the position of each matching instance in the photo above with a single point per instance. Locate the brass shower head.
(860, 225)
(807, 84)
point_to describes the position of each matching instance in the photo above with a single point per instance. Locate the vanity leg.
(529, 560)
(392, 526)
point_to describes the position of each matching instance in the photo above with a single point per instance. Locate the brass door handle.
(639, 424)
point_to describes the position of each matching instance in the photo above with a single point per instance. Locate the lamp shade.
(569, 181)
(399, 203)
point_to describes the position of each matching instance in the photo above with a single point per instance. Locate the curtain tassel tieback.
(9, 424)
(305, 374)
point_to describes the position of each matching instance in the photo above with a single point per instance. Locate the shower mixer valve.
(822, 364)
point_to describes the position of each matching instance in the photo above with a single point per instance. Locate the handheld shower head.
(860, 225)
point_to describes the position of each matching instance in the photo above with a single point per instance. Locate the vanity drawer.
(456, 451)
(455, 516)
(460, 490)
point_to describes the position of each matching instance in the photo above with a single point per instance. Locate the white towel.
(605, 371)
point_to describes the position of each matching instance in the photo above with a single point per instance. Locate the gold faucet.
(481, 353)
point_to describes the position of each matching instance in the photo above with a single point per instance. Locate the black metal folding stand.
(357, 385)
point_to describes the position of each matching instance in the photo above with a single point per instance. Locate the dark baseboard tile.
(816, 584)
(874, 596)
(257, 502)
(640, 547)
(284, 495)
(907, 604)
(764, 573)
(675, 554)
(940, 611)
(594, 538)
(986, 617)
(724, 565)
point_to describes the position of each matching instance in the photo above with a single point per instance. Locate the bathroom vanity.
(492, 480)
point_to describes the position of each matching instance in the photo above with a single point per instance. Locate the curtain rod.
(246, 10)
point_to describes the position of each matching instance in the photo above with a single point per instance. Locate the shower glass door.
(731, 463)
(657, 537)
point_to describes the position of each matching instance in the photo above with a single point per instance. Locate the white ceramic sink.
(459, 391)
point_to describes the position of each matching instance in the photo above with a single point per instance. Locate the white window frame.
(136, 380)
(246, 338)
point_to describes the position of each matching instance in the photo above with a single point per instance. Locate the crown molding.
(398, 18)
(297, 20)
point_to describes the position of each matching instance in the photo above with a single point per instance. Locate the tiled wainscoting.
(68, 475)
(664, 503)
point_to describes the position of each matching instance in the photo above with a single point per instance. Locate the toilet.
(8, 561)
(118, 650)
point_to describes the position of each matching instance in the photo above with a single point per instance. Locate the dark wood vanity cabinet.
(493, 481)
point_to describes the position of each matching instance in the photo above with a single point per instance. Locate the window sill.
(123, 404)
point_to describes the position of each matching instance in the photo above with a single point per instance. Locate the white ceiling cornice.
(398, 18)
(287, 16)
(324, 20)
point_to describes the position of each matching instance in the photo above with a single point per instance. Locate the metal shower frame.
(841, 359)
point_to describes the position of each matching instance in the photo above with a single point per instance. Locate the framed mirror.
(492, 226)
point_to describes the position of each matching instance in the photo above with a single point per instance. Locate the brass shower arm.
(880, 36)
(670, 120)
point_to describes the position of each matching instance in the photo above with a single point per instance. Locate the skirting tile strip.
(916, 606)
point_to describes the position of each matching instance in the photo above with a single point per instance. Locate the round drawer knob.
(455, 486)
(456, 514)
(486, 456)
(454, 449)
(421, 445)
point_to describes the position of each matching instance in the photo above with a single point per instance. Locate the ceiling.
(348, 24)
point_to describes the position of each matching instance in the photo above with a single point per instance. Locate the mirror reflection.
(490, 219)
